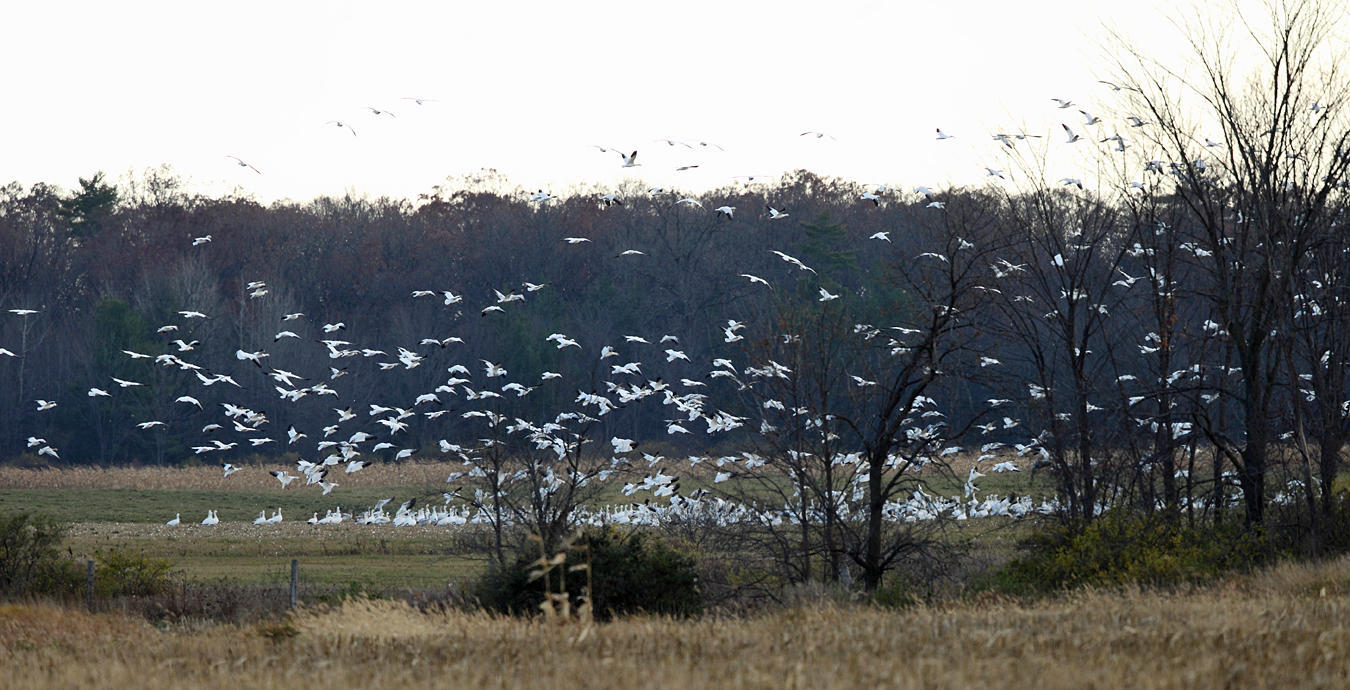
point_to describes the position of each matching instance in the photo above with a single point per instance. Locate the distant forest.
(106, 268)
(1098, 330)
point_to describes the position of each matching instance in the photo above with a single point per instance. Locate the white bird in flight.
(340, 124)
(244, 164)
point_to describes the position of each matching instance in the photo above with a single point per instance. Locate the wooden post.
(295, 569)
(89, 584)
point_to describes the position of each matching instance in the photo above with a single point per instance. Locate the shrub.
(1120, 548)
(629, 573)
(29, 560)
(118, 573)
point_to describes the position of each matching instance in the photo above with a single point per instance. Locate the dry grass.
(1283, 628)
(253, 477)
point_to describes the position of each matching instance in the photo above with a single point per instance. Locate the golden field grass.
(1284, 627)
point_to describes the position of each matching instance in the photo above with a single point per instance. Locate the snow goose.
(244, 164)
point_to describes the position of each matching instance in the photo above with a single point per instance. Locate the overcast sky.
(528, 87)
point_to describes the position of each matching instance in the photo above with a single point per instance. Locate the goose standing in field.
(177, 519)
(211, 518)
(276, 518)
(261, 519)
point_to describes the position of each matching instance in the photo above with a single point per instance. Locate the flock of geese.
(638, 370)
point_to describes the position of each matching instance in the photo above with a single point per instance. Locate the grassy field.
(1285, 627)
(125, 508)
(346, 554)
(156, 494)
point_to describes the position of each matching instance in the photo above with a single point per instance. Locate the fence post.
(89, 584)
(295, 568)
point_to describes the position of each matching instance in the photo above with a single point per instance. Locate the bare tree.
(1262, 193)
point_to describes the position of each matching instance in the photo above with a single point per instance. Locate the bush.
(1119, 548)
(118, 573)
(29, 560)
(629, 574)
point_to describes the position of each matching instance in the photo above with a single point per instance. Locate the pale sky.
(527, 87)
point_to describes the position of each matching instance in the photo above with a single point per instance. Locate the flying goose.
(242, 164)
